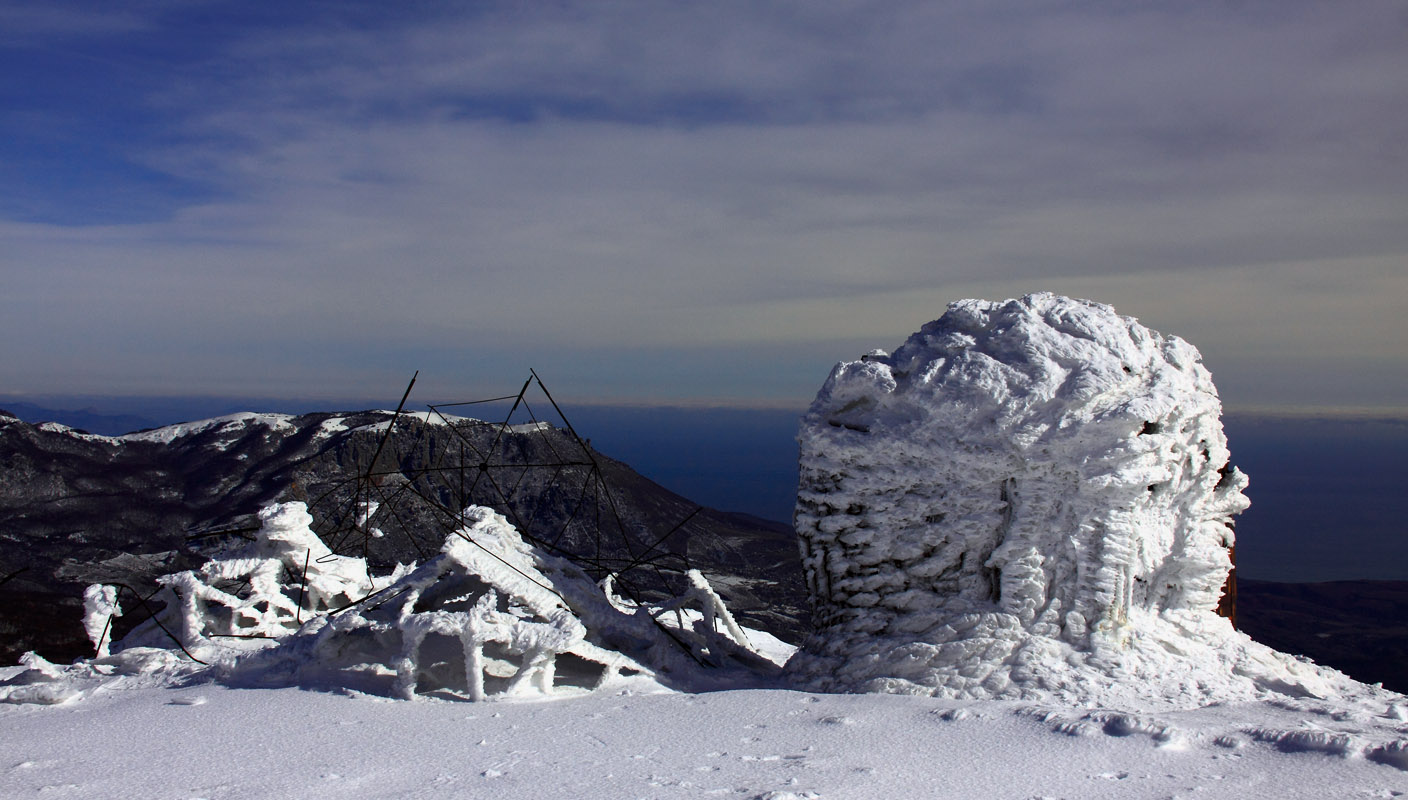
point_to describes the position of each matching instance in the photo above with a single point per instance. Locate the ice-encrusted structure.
(99, 607)
(490, 615)
(251, 592)
(493, 615)
(1029, 499)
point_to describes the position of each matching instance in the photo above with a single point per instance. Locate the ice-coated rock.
(1027, 499)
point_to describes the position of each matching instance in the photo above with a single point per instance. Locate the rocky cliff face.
(77, 509)
(1027, 499)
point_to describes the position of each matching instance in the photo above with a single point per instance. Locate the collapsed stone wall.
(1029, 498)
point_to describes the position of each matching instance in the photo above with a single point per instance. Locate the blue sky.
(686, 201)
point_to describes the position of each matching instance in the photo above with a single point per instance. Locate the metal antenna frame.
(479, 474)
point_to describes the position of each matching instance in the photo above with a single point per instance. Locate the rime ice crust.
(490, 616)
(1028, 499)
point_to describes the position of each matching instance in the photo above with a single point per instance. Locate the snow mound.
(1028, 500)
(489, 616)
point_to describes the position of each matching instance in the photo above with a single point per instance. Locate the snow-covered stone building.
(1029, 498)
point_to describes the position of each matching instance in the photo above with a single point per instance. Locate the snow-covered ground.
(207, 741)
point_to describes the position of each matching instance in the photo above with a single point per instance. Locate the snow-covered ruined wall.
(1029, 498)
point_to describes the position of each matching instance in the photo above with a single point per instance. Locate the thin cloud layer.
(320, 201)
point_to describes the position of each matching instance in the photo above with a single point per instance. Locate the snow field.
(209, 741)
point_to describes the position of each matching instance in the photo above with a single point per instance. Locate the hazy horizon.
(133, 404)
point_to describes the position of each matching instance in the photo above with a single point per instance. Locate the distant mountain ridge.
(88, 420)
(80, 508)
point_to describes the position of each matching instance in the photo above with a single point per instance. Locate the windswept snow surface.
(1029, 500)
(207, 741)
